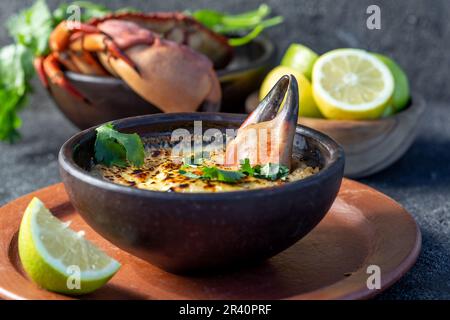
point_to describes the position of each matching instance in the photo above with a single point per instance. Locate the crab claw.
(52, 71)
(265, 136)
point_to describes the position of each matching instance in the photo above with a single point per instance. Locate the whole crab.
(167, 58)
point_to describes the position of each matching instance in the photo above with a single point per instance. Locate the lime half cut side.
(58, 258)
(352, 84)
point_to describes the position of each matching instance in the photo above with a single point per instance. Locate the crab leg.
(85, 63)
(60, 37)
(66, 59)
(54, 74)
(99, 42)
(265, 136)
(79, 40)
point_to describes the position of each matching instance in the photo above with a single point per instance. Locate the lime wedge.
(308, 107)
(300, 58)
(59, 259)
(352, 84)
(401, 95)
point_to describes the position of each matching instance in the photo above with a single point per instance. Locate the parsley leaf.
(272, 171)
(269, 171)
(32, 27)
(214, 173)
(247, 168)
(253, 22)
(15, 72)
(119, 149)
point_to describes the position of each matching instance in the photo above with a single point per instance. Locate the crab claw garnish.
(267, 136)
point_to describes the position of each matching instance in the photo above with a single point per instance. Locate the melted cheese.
(160, 172)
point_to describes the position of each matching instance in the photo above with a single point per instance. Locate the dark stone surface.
(416, 33)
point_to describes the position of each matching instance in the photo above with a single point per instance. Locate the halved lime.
(300, 58)
(352, 84)
(58, 258)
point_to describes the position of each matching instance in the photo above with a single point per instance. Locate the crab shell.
(181, 29)
(171, 76)
(167, 58)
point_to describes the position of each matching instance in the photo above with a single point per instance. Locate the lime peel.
(41, 239)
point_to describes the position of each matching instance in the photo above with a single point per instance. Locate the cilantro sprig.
(113, 148)
(269, 171)
(252, 23)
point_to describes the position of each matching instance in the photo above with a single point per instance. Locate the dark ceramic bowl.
(111, 98)
(189, 232)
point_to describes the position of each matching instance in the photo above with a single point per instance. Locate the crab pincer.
(267, 135)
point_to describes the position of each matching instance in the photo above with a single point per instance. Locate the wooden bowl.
(112, 99)
(370, 145)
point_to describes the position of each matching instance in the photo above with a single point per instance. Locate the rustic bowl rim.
(334, 167)
(417, 103)
(269, 52)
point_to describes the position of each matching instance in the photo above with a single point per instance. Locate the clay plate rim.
(351, 287)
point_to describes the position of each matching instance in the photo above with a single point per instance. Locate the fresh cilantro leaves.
(15, 72)
(30, 30)
(253, 22)
(247, 168)
(269, 171)
(32, 27)
(118, 149)
(214, 173)
(272, 171)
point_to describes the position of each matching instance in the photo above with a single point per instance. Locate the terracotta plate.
(363, 228)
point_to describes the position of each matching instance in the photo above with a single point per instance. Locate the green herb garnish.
(32, 27)
(272, 171)
(246, 168)
(15, 71)
(214, 173)
(30, 30)
(269, 171)
(252, 22)
(118, 149)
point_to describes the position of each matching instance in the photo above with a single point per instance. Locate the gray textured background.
(415, 33)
